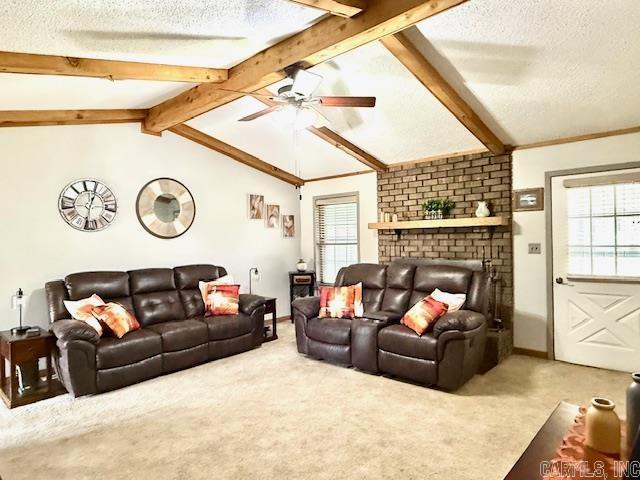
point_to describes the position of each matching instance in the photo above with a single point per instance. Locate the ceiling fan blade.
(253, 116)
(347, 101)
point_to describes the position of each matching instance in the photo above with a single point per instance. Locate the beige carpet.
(273, 414)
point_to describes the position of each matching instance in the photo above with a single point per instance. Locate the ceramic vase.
(633, 409)
(602, 427)
(482, 210)
(301, 265)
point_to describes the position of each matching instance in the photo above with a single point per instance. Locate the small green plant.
(443, 205)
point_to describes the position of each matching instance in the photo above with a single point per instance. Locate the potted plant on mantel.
(437, 208)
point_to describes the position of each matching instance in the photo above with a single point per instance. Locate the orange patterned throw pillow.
(220, 299)
(81, 310)
(339, 302)
(117, 318)
(424, 314)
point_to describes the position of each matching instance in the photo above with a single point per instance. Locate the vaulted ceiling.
(531, 71)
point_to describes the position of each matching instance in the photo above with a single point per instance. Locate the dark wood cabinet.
(301, 284)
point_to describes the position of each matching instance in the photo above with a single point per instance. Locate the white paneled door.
(596, 269)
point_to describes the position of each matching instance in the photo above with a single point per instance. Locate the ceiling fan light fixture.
(305, 83)
(305, 117)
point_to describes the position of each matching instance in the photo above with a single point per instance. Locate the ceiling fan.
(298, 100)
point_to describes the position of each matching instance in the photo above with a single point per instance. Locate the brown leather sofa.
(446, 356)
(175, 334)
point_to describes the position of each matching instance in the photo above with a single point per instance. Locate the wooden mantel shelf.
(444, 223)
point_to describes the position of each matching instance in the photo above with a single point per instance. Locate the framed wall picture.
(529, 199)
(288, 226)
(273, 216)
(256, 206)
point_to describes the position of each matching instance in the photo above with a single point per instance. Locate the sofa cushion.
(445, 277)
(402, 340)
(222, 327)
(158, 307)
(398, 290)
(188, 276)
(181, 334)
(132, 348)
(109, 285)
(330, 330)
(151, 280)
(373, 278)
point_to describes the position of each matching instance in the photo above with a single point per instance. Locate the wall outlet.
(535, 248)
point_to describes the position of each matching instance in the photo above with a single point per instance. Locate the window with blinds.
(604, 229)
(336, 232)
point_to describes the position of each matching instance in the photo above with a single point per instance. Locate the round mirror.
(165, 208)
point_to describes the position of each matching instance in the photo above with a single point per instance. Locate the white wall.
(366, 185)
(37, 245)
(529, 167)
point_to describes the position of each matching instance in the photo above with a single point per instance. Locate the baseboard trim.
(530, 353)
(283, 319)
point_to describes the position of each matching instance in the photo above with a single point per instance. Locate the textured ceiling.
(40, 92)
(407, 122)
(213, 33)
(544, 69)
(533, 71)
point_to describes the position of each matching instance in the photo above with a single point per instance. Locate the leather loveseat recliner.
(446, 356)
(174, 332)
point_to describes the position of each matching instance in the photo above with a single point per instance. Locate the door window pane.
(629, 230)
(603, 260)
(602, 200)
(628, 198)
(579, 231)
(578, 202)
(603, 229)
(603, 232)
(629, 261)
(580, 260)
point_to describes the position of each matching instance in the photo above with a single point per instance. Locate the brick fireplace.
(465, 180)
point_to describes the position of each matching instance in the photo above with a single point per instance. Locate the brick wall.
(465, 180)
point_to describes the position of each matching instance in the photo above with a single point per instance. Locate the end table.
(23, 352)
(270, 308)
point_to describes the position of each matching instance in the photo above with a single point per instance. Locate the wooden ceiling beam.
(323, 41)
(405, 51)
(349, 148)
(31, 118)
(342, 8)
(235, 153)
(335, 139)
(579, 138)
(112, 69)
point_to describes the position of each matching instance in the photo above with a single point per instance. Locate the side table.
(270, 308)
(301, 284)
(22, 352)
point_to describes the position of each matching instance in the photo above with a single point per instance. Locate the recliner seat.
(446, 356)
(174, 333)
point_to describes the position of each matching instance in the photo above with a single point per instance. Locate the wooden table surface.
(543, 446)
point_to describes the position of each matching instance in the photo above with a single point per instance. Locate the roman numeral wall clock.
(87, 205)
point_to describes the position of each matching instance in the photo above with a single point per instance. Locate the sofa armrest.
(462, 321)
(384, 316)
(308, 307)
(248, 302)
(66, 330)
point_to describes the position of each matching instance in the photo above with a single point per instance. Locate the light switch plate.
(535, 248)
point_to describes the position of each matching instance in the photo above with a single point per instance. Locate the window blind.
(604, 230)
(336, 231)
